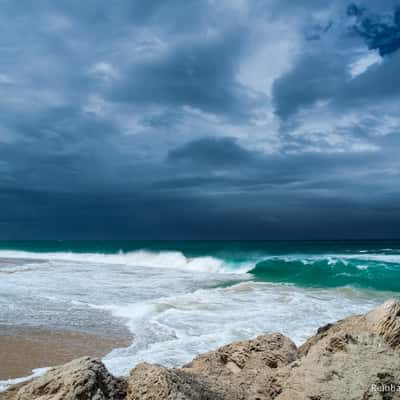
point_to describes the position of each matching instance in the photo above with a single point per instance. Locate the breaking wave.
(140, 258)
(374, 271)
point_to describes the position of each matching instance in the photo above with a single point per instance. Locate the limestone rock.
(241, 370)
(244, 370)
(152, 382)
(81, 379)
(345, 360)
(385, 322)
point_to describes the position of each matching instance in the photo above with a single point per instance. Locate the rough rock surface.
(152, 382)
(352, 359)
(81, 379)
(244, 370)
(385, 322)
(345, 360)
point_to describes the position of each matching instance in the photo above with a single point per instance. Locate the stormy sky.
(199, 119)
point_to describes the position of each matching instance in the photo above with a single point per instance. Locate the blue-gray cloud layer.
(199, 119)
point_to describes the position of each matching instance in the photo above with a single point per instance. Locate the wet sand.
(24, 349)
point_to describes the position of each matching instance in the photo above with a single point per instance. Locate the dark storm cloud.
(211, 152)
(323, 77)
(378, 32)
(195, 73)
(337, 85)
(379, 84)
(57, 147)
(315, 77)
(315, 32)
(199, 119)
(258, 205)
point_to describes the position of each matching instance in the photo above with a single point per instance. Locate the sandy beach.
(23, 349)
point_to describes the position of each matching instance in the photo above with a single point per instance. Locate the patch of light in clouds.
(365, 61)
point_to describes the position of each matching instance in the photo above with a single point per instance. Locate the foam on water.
(142, 258)
(8, 382)
(380, 272)
(172, 330)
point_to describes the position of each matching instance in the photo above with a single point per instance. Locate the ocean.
(182, 298)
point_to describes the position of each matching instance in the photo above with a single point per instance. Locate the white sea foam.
(177, 260)
(384, 258)
(8, 382)
(141, 258)
(334, 258)
(13, 270)
(172, 330)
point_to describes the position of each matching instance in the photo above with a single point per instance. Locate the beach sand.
(23, 349)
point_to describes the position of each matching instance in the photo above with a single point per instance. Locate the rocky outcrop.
(355, 358)
(81, 379)
(352, 359)
(385, 322)
(382, 322)
(245, 369)
(238, 371)
(152, 382)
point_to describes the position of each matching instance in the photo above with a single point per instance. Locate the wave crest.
(375, 271)
(139, 258)
(330, 272)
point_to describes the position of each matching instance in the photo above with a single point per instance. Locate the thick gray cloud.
(199, 119)
(195, 73)
(316, 77)
(211, 152)
(379, 32)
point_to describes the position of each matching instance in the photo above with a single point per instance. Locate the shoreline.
(23, 349)
(356, 357)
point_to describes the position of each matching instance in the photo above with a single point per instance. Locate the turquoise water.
(364, 264)
(194, 248)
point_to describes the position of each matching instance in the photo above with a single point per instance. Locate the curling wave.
(367, 272)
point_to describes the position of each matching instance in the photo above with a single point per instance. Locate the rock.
(81, 379)
(385, 322)
(152, 382)
(241, 370)
(345, 360)
(244, 370)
